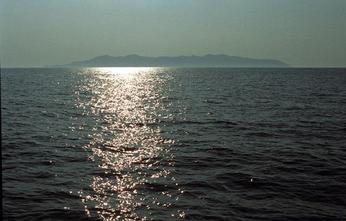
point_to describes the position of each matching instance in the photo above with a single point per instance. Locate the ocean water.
(173, 144)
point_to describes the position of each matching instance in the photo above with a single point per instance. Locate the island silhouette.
(208, 60)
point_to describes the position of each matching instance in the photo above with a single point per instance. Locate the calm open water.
(173, 144)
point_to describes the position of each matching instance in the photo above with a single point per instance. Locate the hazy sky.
(299, 32)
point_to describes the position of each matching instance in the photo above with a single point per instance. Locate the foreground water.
(170, 144)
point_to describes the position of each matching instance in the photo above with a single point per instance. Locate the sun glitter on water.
(124, 71)
(126, 144)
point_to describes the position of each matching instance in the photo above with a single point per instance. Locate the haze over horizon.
(303, 33)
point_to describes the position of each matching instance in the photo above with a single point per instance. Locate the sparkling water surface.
(173, 144)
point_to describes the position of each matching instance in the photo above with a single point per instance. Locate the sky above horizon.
(305, 33)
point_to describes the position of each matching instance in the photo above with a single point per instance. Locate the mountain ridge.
(208, 60)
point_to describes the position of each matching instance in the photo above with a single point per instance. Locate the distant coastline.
(208, 60)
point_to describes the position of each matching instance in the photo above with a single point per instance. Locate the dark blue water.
(171, 144)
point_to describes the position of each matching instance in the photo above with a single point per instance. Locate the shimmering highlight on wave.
(129, 152)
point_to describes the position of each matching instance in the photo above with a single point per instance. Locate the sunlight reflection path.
(133, 158)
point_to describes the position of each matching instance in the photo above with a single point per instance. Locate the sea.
(173, 144)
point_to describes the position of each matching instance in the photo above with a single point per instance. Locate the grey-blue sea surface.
(173, 144)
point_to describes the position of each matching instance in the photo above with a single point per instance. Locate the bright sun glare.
(125, 71)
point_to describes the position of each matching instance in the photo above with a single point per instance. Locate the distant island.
(208, 60)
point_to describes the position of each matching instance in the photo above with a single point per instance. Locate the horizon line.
(290, 67)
